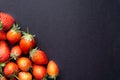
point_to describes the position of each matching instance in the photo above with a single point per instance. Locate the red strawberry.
(15, 52)
(27, 42)
(10, 68)
(52, 69)
(2, 35)
(24, 76)
(38, 56)
(6, 21)
(14, 34)
(4, 51)
(39, 72)
(24, 63)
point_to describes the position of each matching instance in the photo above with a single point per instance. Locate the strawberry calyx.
(1, 66)
(16, 28)
(14, 55)
(32, 51)
(52, 77)
(27, 36)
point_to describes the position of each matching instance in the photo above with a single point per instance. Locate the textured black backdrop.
(82, 36)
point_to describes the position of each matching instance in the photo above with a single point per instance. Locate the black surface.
(82, 36)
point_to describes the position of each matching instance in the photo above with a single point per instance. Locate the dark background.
(82, 36)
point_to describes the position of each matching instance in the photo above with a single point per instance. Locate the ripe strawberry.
(4, 51)
(15, 52)
(39, 72)
(10, 68)
(38, 56)
(52, 69)
(2, 35)
(27, 42)
(14, 34)
(24, 63)
(6, 21)
(24, 76)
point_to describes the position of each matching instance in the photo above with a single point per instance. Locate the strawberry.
(15, 52)
(10, 68)
(39, 72)
(27, 42)
(24, 76)
(4, 51)
(24, 63)
(38, 56)
(2, 35)
(14, 34)
(52, 69)
(6, 21)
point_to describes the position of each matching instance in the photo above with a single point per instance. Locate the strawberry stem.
(54, 78)
(15, 76)
(1, 66)
(27, 30)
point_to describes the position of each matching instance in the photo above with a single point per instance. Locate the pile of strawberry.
(19, 57)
